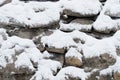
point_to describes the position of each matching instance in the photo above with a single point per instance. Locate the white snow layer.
(84, 8)
(61, 39)
(71, 72)
(75, 26)
(32, 14)
(1, 1)
(46, 70)
(91, 46)
(37, 14)
(104, 22)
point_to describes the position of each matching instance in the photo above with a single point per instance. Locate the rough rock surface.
(117, 76)
(73, 58)
(103, 61)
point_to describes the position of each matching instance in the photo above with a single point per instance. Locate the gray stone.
(71, 13)
(83, 21)
(73, 61)
(5, 2)
(56, 50)
(116, 76)
(101, 62)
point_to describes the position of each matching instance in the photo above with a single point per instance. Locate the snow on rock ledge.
(105, 22)
(61, 39)
(77, 24)
(71, 73)
(80, 8)
(32, 14)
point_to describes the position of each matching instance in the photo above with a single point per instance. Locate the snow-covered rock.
(46, 70)
(104, 22)
(81, 8)
(72, 73)
(77, 24)
(18, 51)
(32, 14)
(73, 58)
(58, 39)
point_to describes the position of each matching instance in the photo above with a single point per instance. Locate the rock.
(83, 21)
(105, 77)
(102, 0)
(56, 50)
(94, 76)
(40, 47)
(45, 16)
(25, 33)
(116, 76)
(67, 19)
(112, 14)
(11, 73)
(5, 2)
(76, 14)
(73, 58)
(77, 24)
(73, 61)
(11, 68)
(101, 62)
